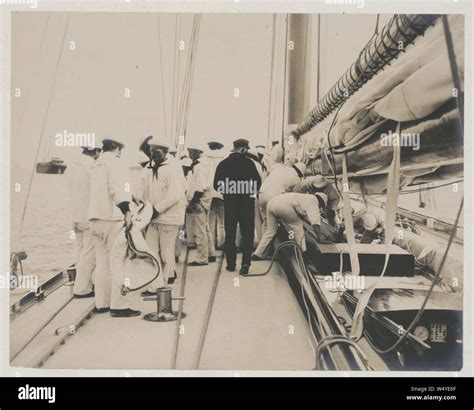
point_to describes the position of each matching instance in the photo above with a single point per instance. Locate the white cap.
(370, 221)
(173, 149)
(158, 143)
(319, 181)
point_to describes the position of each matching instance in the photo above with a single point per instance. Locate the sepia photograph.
(236, 191)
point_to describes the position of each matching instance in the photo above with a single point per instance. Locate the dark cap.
(213, 145)
(110, 143)
(241, 143)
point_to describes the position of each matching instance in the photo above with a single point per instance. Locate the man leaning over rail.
(318, 183)
(292, 209)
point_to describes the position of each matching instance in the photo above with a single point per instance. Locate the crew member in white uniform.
(292, 209)
(145, 162)
(78, 181)
(369, 224)
(215, 154)
(109, 211)
(276, 153)
(318, 183)
(166, 192)
(199, 196)
(281, 179)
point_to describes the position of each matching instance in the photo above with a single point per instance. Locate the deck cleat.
(164, 310)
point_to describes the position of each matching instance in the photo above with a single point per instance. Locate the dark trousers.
(239, 210)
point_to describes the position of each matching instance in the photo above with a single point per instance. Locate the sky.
(83, 88)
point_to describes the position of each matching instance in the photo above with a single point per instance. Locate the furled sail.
(416, 91)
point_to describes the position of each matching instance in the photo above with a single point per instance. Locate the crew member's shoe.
(101, 310)
(212, 259)
(230, 268)
(244, 270)
(172, 278)
(195, 263)
(91, 294)
(124, 313)
(256, 258)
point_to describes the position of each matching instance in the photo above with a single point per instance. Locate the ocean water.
(44, 233)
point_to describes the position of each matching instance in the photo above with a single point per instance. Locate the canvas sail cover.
(417, 91)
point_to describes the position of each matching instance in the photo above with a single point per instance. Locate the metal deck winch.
(164, 309)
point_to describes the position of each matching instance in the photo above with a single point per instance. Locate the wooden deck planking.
(256, 324)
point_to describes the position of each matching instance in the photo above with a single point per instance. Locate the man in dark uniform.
(237, 179)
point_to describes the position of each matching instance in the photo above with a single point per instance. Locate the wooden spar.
(382, 49)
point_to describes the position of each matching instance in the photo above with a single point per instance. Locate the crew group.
(204, 195)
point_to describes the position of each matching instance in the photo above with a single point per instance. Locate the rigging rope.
(272, 62)
(161, 72)
(278, 69)
(187, 73)
(50, 98)
(187, 86)
(285, 84)
(175, 72)
(191, 75)
(177, 84)
(454, 73)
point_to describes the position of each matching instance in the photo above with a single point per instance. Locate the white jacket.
(281, 179)
(110, 185)
(214, 157)
(78, 181)
(167, 193)
(200, 181)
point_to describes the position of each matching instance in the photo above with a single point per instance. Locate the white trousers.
(107, 283)
(263, 200)
(293, 223)
(199, 220)
(161, 239)
(216, 222)
(85, 258)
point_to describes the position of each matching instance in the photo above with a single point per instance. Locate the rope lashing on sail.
(401, 30)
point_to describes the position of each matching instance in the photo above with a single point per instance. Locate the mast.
(298, 97)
